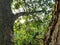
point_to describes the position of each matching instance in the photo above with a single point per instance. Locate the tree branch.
(25, 13)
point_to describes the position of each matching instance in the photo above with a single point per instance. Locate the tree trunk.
(52, 36)
(6, 23)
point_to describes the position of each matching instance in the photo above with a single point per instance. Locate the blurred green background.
(30, 28)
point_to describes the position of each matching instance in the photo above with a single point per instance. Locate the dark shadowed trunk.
(6, 23)
(52, 37)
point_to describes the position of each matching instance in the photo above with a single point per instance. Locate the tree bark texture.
(52, 37)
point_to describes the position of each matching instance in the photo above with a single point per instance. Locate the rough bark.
(52, 36)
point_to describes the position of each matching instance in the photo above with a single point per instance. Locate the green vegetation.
(30, 29)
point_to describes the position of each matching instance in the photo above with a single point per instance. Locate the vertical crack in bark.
(51, 31)
(57, 35)
(54, 21)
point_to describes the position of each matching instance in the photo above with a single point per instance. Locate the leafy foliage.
(24, 32)
(30, 30)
